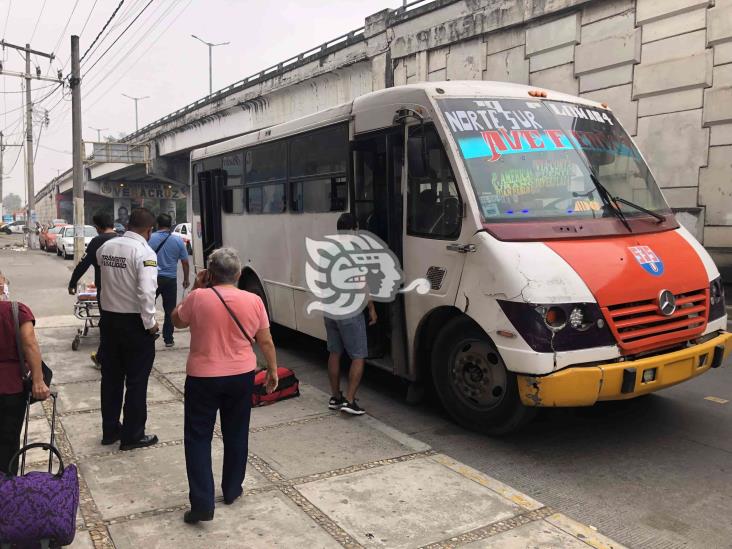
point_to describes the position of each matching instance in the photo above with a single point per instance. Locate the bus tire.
(473, 383)
(250, 283)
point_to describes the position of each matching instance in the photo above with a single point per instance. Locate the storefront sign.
(141, 190)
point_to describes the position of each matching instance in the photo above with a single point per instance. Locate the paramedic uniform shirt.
(129, 276)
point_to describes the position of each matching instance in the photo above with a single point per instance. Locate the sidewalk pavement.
(315, 478)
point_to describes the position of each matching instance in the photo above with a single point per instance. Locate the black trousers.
(168, 288)
(12, 413)
(128, 351)
(204, 396)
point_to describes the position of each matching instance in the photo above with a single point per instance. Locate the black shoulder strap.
(162, 243)
(231, 313)
(19, 345)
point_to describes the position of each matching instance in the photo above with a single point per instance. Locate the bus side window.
(433, 202)
(317, 170)
(232, 184)
(319, 195)
(265, 173)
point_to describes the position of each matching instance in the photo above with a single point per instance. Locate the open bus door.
(378, 207)
(210, 188)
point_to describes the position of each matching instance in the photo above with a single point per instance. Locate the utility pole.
(99, 132)
(210, 69)
(3, 146)
(136, 99)
(33, 243)
(32, 237)
(77, 148)
(2, 150)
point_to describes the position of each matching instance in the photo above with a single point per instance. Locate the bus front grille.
(640, 325)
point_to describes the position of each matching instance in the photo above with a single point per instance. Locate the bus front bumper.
(585, 385)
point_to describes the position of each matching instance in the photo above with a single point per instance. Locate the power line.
(22, 91)
(66, 26)
(7, 17)
(38, 142)
(55, 150)
(144, 52)
(143, 31)
(17, 157)
(38, 101)
(136, 39)
(43, 7)
(103, 28)
(118, 38)
(86, 22)
(83, 28)
(61, 118)
(125, 14)
(121, 18)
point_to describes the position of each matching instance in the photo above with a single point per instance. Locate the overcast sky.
(156, 57)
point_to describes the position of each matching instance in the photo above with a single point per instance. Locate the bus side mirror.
(417, 157)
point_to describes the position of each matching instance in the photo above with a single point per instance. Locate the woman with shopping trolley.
(12, 397)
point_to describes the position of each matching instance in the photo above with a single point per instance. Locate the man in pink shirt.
(225, 322)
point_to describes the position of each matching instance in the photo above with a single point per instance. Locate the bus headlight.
(716, 299)
(578, 319)
(555, 318)
(559, 327)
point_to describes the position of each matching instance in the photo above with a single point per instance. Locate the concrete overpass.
(664, 67)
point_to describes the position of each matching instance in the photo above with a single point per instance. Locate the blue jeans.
(204, 396)
(168, 288)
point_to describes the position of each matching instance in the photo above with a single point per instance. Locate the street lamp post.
(210, 70)
(136, 99)
(99, 131)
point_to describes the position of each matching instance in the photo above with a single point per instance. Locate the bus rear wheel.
(473, 383)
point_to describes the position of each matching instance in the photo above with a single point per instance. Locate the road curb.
(588, 535)
(504, 490)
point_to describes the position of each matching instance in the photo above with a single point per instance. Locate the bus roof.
(375, 101)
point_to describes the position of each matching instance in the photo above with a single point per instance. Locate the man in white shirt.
(128, 330)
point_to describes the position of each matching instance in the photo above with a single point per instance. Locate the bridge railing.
(323, 49)
(407, 10)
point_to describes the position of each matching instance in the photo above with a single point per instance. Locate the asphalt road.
(656, 472)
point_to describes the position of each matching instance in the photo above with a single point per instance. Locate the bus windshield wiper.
(661, 218)
(607, 199)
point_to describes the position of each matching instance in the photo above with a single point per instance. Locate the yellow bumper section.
(583, 386)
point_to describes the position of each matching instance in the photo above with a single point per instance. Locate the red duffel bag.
(288, 387)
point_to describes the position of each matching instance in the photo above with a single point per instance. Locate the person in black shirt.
(104, 224)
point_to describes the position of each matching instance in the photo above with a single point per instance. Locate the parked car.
(5, 228)
(183, 230)
(17, 227)
(57, 222)
(65, 240)
(48, 238)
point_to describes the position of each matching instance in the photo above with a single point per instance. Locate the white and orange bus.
(558, 274)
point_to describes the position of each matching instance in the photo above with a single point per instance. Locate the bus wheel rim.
(478, 376)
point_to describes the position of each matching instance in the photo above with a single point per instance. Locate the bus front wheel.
(473, 383)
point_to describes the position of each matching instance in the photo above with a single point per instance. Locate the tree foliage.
(11, 203)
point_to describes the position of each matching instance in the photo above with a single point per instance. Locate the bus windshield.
(534, 159)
